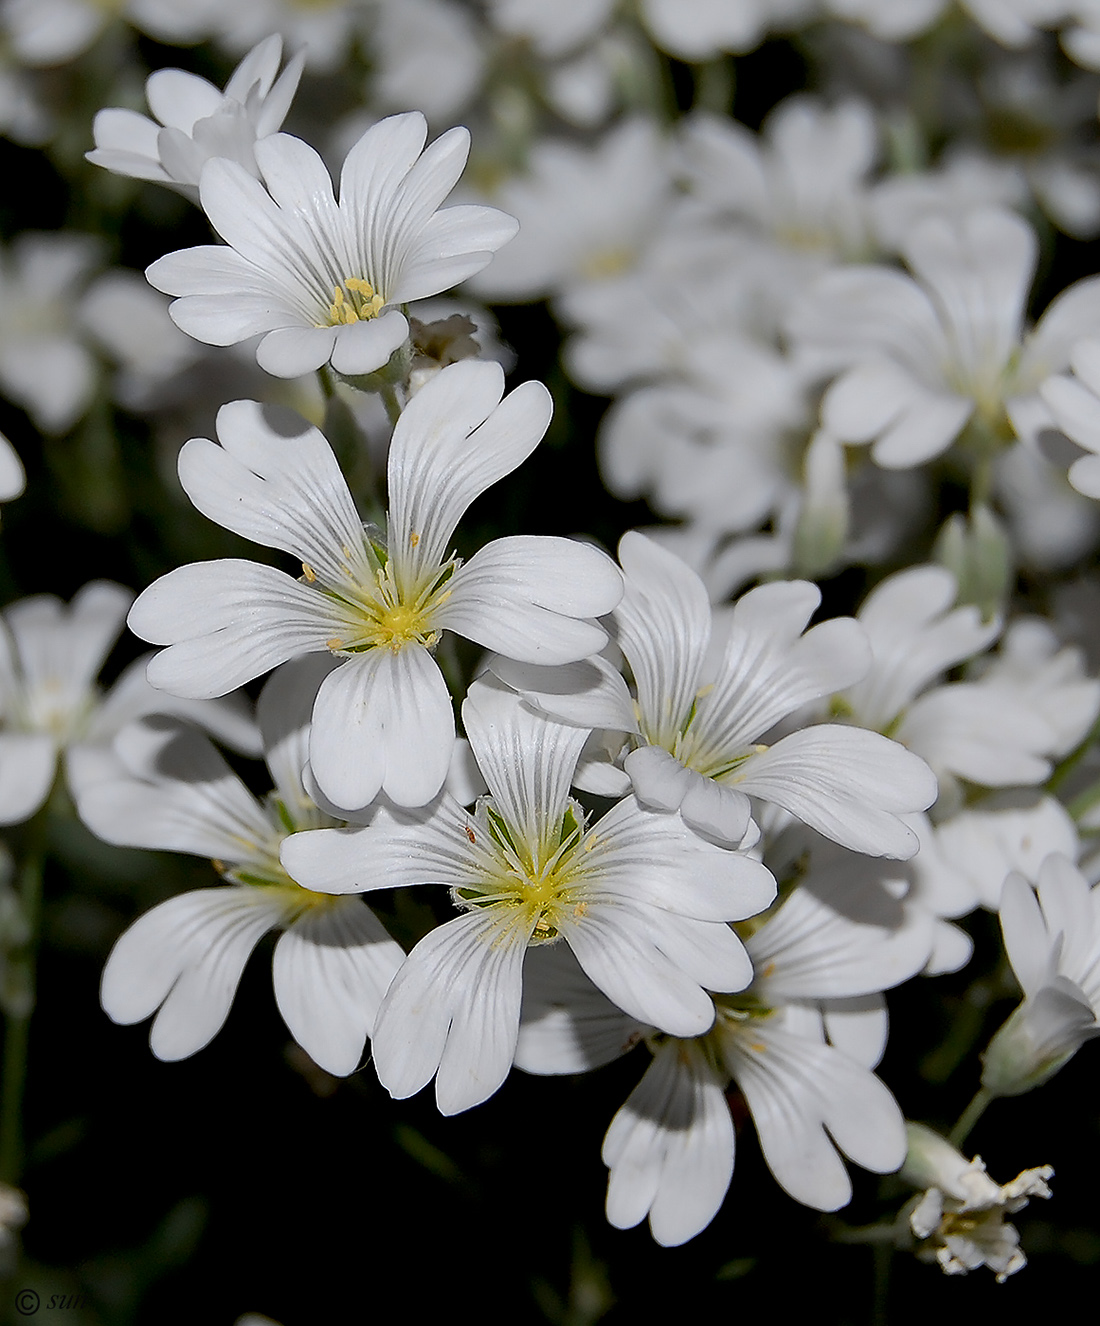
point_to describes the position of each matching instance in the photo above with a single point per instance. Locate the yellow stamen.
(356, 300)
(309, 573)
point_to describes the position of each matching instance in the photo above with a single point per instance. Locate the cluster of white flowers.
(717, 790)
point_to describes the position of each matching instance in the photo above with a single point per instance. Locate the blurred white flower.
(49, 32)
(50, 705)
(584, 213)
(919, 360)
(1011, 22)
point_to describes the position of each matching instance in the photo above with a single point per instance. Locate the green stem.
(969, 1118)
(1084, 802)
(17, 1020)
(1063, 770)
(389, 399)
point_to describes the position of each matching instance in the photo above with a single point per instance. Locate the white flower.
(324, 280)
(920, 359)
(45, 367)
(802, 182)
(383, 720)
(700, 714)
(584, 213)
(49, 702)
(198, 121)
(429, 55)
(961, 1216)
(1053, 944)
(171, 790)
(640, 900)
(800, 1042)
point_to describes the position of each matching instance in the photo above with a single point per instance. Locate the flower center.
(354, 301)
(387, 614)
(532, 888)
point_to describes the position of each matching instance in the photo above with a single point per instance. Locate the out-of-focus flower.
(198, 121)
(1011, 22)
(50, 705)
(921, 359)
(324, 280)
(584, 213)
(49, 32)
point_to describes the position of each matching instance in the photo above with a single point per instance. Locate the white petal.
(453, 1007)
(398, 849)
(455, 439)
(383, 720)
(663, 628)
(591, 692)
(527, 759)
(528, 597)
(28, 764)
(186, 957)
(227, 622)
(670, 1148)
(849, 784)
(332, 968)
(566, 1024)
(275, 480)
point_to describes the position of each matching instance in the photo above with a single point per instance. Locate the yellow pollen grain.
(309, 573)
(334, 644)
(580, 910)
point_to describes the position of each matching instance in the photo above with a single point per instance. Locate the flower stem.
(969, 1117)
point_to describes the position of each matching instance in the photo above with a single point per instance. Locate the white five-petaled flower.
(169, 789)
(325, 280)
(198, 121)
(641, 901)
(697, 719)
(800, 1042)
(384, 719)
(922, 359)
